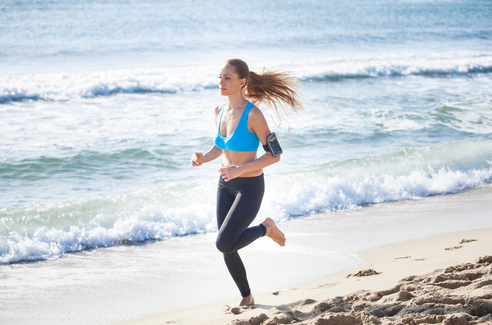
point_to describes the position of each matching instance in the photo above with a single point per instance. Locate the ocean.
(103, 102)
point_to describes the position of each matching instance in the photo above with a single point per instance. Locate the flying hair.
(274, 88)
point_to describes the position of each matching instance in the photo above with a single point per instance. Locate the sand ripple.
(458, 295)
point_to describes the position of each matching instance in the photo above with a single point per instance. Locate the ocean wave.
(81, 163)
(48, 231)
(66, 86)
(432, 64)
(44, 232)
(404, 175)
(89, 84)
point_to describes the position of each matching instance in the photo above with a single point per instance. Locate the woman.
(241, 126)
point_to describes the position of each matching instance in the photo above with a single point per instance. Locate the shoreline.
(393, 262)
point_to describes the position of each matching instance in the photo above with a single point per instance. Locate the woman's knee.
(224, 245)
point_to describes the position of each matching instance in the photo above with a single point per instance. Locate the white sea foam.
(48, 231)
(64, 86)
(88, 84)
(45, 232)
(401, 64)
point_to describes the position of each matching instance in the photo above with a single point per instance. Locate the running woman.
(241, 127)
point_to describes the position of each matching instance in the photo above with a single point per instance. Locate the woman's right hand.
(197, 159)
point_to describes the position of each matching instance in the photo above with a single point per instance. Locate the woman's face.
(229, 81)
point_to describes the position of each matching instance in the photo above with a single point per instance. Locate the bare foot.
(273, 232)
(247, 301)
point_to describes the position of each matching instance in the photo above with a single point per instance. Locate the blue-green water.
(380, 129)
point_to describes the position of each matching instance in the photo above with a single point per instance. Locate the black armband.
(272, 145)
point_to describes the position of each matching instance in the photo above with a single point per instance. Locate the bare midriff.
(238, 158)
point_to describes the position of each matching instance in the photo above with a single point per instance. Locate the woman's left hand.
(229, 172)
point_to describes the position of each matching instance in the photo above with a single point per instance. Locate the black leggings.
(238, 202)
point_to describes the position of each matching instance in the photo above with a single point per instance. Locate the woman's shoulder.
(218, 108)
(256, 118)
(255, 112)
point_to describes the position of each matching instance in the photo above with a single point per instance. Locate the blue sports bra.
(242, 139)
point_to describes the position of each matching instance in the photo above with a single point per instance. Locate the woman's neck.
(237, 101)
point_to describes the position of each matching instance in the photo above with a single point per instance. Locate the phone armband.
(272, 145)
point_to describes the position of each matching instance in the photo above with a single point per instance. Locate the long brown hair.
(276, 88)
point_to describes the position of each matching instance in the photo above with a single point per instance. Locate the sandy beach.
(443, 279)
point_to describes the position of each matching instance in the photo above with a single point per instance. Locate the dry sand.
(445, 279)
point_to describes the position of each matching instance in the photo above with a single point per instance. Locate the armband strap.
(267, 148)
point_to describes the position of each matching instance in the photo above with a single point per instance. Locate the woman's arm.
(259, 125)
(198, 159)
